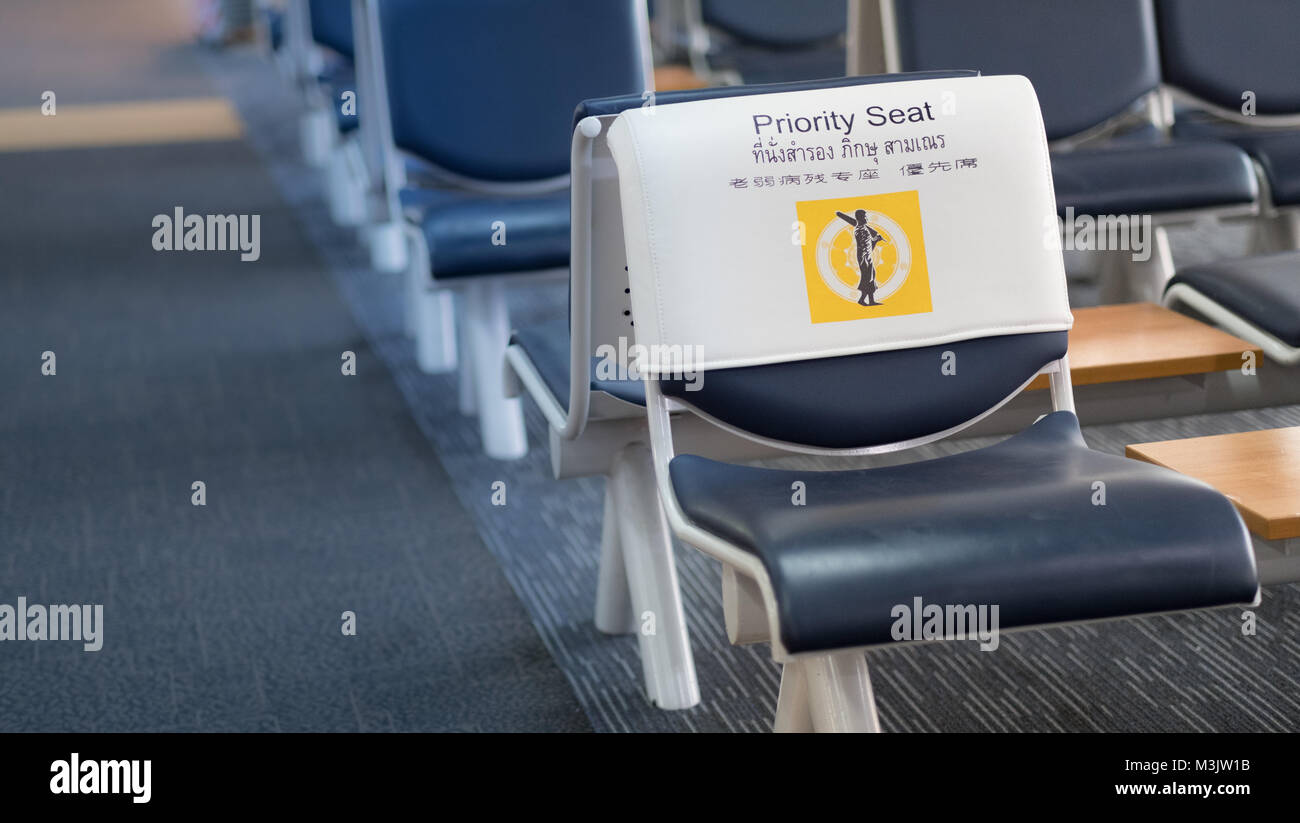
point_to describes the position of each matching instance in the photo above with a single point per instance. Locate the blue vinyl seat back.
(331, 25)
(486, 88)
(1217, 51)
(1089, 60)
(778, 24)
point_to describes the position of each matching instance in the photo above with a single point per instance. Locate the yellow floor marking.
(118, 124)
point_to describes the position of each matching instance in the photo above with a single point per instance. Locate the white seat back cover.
(798, 225)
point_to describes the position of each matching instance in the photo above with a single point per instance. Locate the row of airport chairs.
(1108, 72)
(638, 181)
(462, 186)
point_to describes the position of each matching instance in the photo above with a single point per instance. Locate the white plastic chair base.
(1281, 232)
(649, 597)
(467, 399)
(614, 613)
(316, 133)
(344, 191)
(828, 693)
(487, 332)
(388, 253)
(433, 314)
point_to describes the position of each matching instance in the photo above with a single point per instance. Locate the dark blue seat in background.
(772, 41)
(1263, 290)
(1277, 151)
(1215, 55)
(506, 119)
(1090, 61)
(1137, 176)
(456, 224)
(482, 92)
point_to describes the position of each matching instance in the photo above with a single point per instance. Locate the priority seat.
(882, 323)
(1257, 298)
(1004, 524)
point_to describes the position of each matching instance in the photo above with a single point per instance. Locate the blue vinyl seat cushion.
(1278, 152)
(1132, 177)
(547, 345)
(1264, 290)
(1011, 525)
(460, 227)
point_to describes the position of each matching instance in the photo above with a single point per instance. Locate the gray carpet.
(1192, 672)
(322, 494)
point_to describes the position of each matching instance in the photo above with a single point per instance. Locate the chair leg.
(388, 251)
(487, 332)
(467, 397)
(613, 598)
(1121, 279)
(793, 711)
(435, 330)
(1278, 233)
(316, 134)
(344, 189)
(652, 582)
(839, 693)
(430, 312)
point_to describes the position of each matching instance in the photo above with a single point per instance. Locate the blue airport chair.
(1095, 67)
(766, 41)
(575, 372)
(890, 332)
(481, 93)
(1256, 298)
(1234, 75)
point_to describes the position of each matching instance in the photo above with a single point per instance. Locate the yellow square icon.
(864, 257)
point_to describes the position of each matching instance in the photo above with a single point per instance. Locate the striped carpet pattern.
(1188, 672)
